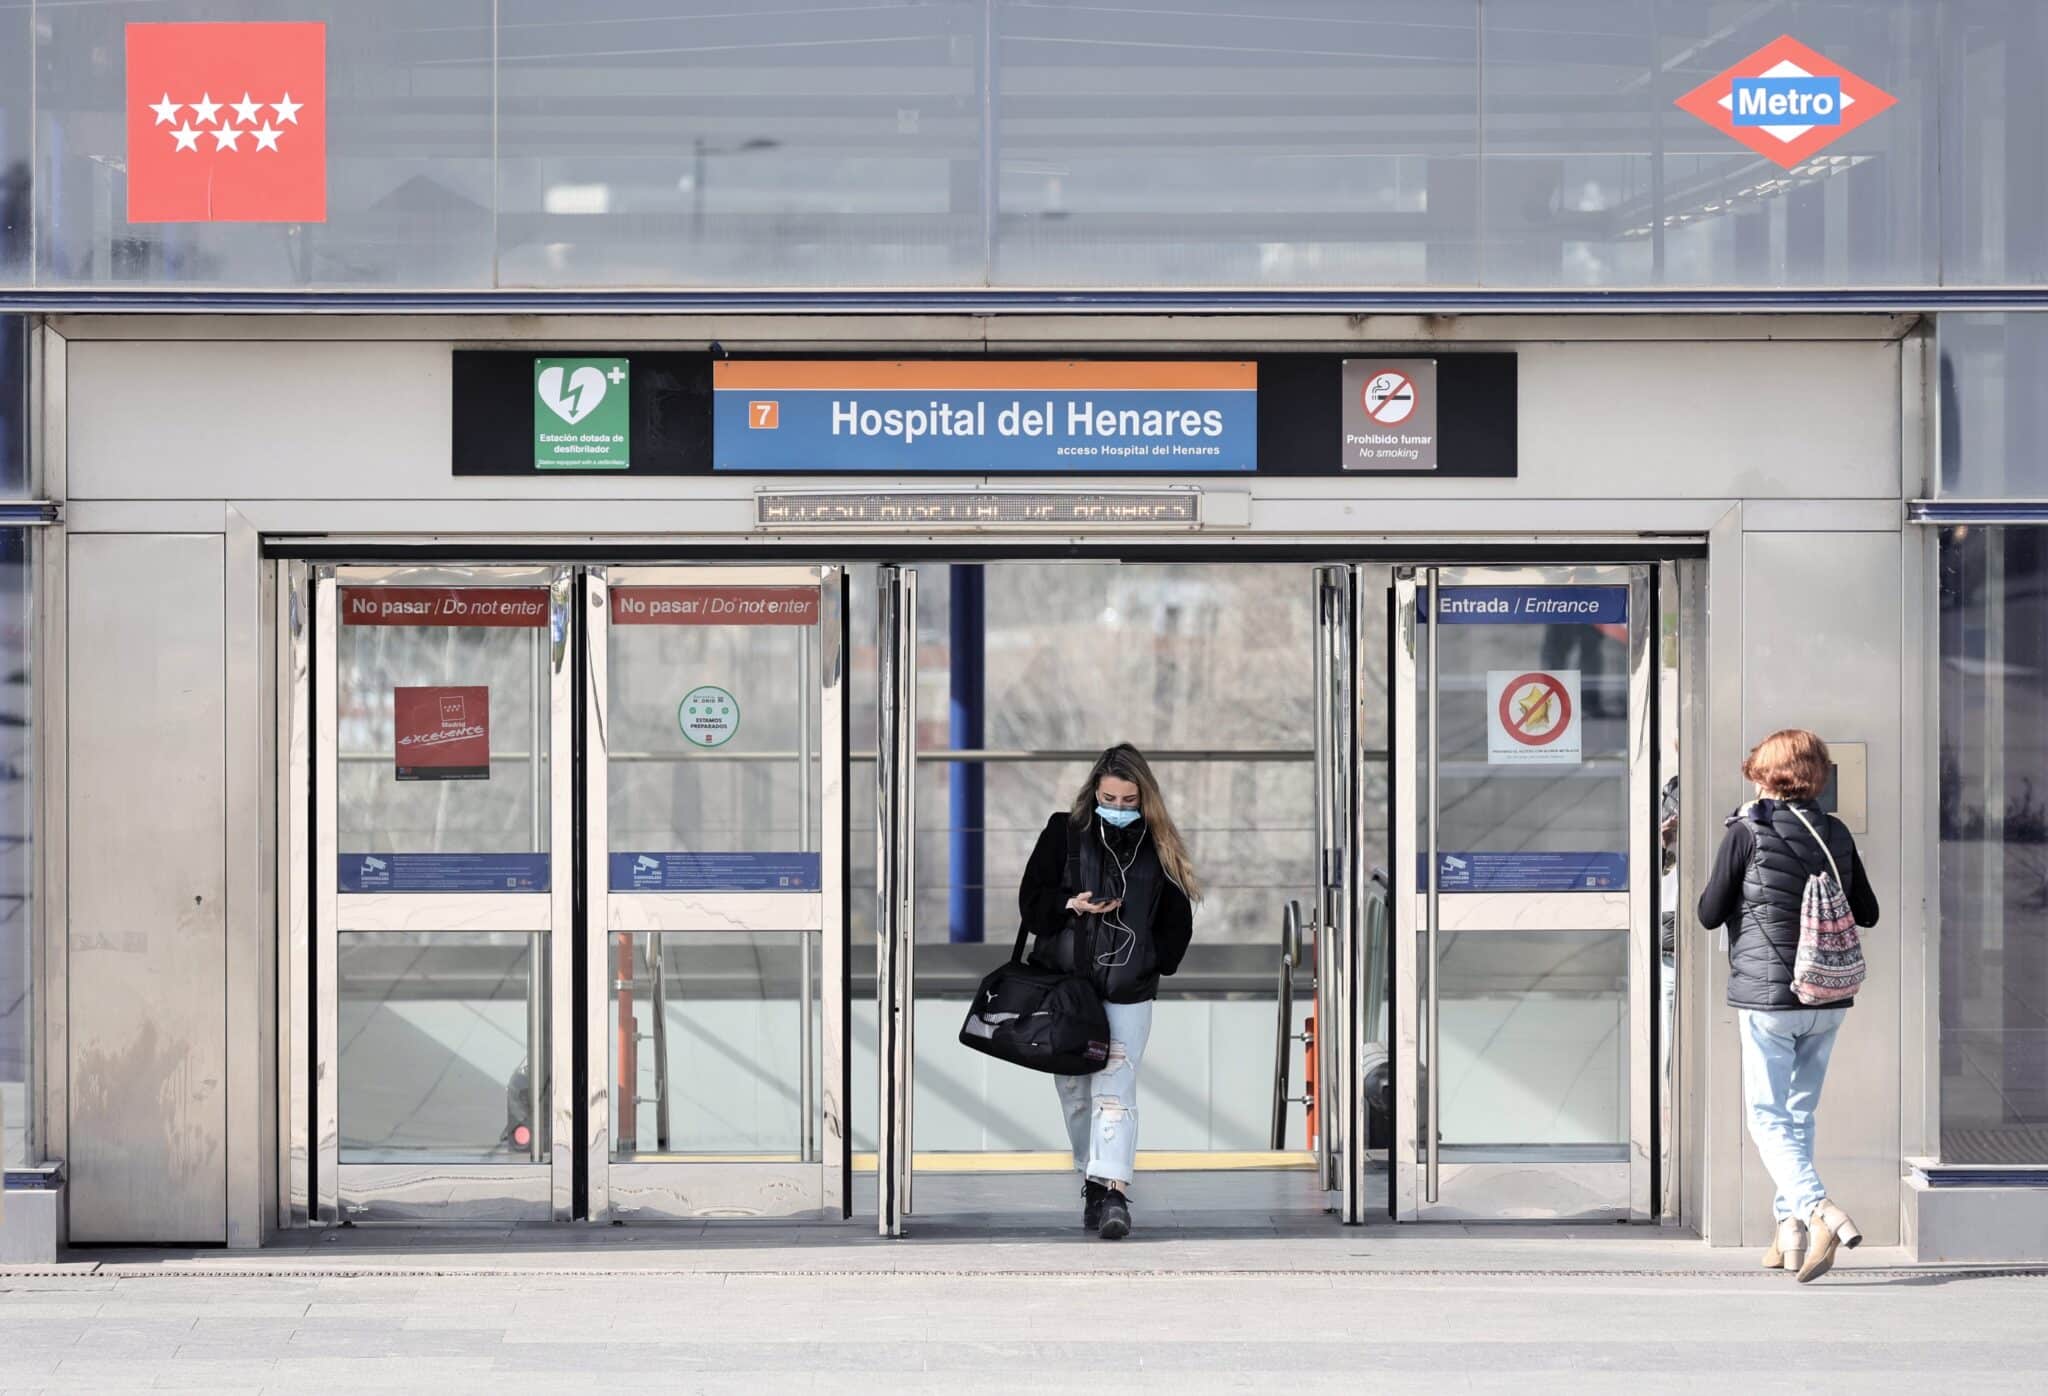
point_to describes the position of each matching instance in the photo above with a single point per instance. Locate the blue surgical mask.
(1117, 818)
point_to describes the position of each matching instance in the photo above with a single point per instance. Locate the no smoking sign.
(1532, 717)
(1390, 414)
(1390, 398)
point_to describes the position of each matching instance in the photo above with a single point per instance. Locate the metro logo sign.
(227, 123)
(1786, 102)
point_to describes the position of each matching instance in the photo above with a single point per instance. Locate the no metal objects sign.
(1532, 717)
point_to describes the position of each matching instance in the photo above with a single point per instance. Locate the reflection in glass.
(379, 813)
(1534, 1037)
(758, 790)
(1994, 846)
(411, 123)
(17, 825)
(435, 1042)
(711, 1052)
(765, 144)
(1577, 807)
(1994, 419)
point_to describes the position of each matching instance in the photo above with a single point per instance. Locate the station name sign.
(595, 412)
(984, 417)
(949, 510)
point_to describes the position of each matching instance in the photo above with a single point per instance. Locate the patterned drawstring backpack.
(1829, 966)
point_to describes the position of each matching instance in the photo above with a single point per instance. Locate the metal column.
(895, 890)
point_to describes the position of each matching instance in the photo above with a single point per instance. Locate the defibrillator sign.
(1532, 717)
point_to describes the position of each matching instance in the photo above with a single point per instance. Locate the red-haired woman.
(1773, 845)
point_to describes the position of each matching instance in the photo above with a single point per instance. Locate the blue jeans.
(1784, 1060)
(1102, 1109)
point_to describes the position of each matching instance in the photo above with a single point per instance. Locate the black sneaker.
(1116, 1216)
(1091, 1211)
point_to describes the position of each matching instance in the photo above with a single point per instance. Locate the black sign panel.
(1300, 414)
(670, 403)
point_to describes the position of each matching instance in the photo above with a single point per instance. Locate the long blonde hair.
(1125, 762)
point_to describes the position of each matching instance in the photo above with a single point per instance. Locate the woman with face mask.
(1109, 894)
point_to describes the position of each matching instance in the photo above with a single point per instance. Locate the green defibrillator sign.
(581, 416)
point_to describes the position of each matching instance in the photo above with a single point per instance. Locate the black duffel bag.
(1044, 1019)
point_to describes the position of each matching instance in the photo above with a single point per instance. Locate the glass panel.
(14, 330)
(1190, 662)
(409, 136)
(708, 1043)
(1994, 846)
(1306, 142)
(1594, 178)
(443, 735)
(17, 848)
(1993, 110)
(1994, 419)
(1157, 142)
(1534, 1033)
(17, 67)
(714, 720)
(437, 1034)
(1533, 760)
(770, 144)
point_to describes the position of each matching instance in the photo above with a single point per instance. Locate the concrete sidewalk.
(494, 1322)
(1266, 1294)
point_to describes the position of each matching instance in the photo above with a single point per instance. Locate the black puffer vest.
(1782, 857)
(1115, 953)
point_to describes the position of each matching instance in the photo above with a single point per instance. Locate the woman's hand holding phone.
(1086, 904)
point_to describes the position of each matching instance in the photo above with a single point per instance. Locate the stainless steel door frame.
(1341, 888)
(403, 1191)
(295, 882)
(895, 892)
(815, 1183)
(1332, 588)
(1482, 1188)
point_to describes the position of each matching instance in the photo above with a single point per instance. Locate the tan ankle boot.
(1826, 1229)
(1787, 1250)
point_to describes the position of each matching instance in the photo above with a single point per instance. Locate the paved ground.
(1203, 1298)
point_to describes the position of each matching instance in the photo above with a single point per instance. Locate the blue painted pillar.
(967, 686)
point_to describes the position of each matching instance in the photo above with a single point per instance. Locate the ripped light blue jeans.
(1784, 1061)
(1102, 1109)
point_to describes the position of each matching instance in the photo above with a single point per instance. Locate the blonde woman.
(1109, 895)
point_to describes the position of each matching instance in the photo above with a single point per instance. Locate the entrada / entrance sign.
(984, 417)
(1786, 102)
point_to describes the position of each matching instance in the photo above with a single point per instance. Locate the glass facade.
(1994, 846)
(17, 730)
(1993, 685)
(1185, 143)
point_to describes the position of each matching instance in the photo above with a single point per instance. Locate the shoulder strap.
(1830, 854)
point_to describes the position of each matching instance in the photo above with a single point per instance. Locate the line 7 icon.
(764, 415)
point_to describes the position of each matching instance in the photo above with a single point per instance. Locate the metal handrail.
(660, 1035)
(1285, 1037)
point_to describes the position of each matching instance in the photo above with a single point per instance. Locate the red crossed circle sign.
(1529, 702)
(1388, 397)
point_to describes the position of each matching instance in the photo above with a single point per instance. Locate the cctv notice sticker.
(442, 733)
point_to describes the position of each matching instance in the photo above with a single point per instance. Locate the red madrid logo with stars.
(1786, 102)
(227, 123)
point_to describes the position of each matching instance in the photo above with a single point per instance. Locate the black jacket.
(1755, 888)
(1162, 919)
